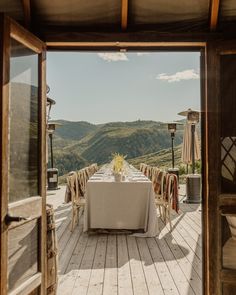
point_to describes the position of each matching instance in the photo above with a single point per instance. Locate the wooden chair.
(159, 183)
(165, 201)
(142, 167)
(94, 167)
(77, 201)
(150, 172)
(90, 170)
(82, 180)
(155, 172)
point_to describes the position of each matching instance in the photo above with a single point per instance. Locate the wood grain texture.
(68, 44)
(228, 189)
(27, 13)
(229, 255)
(23, 254)
(110, 275)
(29, 287)
(218, 102)
(124, 14)
(120, 264)
(11, 29)
(30, 208)
(212, 237)
(227, 200)
(42, 180)
(4, 147)
(88, 40)
(214, 14)
(228, 275)
(204, 157)
(26, 38)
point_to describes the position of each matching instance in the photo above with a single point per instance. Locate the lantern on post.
(172, 130)
(52, 173)
(172, 127)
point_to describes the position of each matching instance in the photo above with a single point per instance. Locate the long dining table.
(128, 204)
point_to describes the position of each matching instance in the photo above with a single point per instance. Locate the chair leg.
(170, 224)
(74, 219)
(164, 215)
(78, 217)
(169, 217)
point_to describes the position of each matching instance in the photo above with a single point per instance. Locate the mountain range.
(77, 144)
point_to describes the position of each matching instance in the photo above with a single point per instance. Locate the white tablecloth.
(128, 204)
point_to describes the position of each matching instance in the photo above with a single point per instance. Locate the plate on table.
(95, 178)
(140, 179)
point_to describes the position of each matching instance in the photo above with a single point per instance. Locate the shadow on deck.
(121, 264)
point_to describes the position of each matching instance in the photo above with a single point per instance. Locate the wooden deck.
(121, 264)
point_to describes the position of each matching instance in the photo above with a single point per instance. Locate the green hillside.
(66, 162)
(160, 159)
(133, 142)
(70, 130)
(80, 143)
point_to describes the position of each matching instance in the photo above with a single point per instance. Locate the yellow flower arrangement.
(118, 163)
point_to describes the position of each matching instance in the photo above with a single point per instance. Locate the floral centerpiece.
(118, 166)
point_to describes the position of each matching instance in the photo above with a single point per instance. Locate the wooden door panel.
(4, 92)
(221, 91)
(22, 253)
(227, 238)
(23, 201)
(29, 209)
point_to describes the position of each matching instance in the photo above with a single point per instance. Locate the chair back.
(159, 183)
(72, 182)
(81, 181)
(171, 193)
(149, 172)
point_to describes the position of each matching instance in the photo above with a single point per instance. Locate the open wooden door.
(22, 159)
(220, 152)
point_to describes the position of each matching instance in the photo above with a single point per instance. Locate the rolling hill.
(77, 144)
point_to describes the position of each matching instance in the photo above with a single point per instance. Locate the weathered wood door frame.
(217, 201)
(209, 125)
(10, 29)
(212, 272)
(205, 116)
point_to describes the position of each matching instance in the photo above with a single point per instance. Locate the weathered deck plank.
(111, 274)
(125, 286)
(167, 282)
(152, 279)
(169, 264)
(97, 274)
(82, 280)
(137, 275)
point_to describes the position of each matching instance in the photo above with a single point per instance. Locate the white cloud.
(113, 56)
(179, 76)
(142, 53)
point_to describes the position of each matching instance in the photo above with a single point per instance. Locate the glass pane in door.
(22, 253)
(228, 123)
(24, 131)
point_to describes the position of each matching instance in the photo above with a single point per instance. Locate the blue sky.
(106, 87)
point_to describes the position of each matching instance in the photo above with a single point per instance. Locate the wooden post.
(212, 172)
(4, 115)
